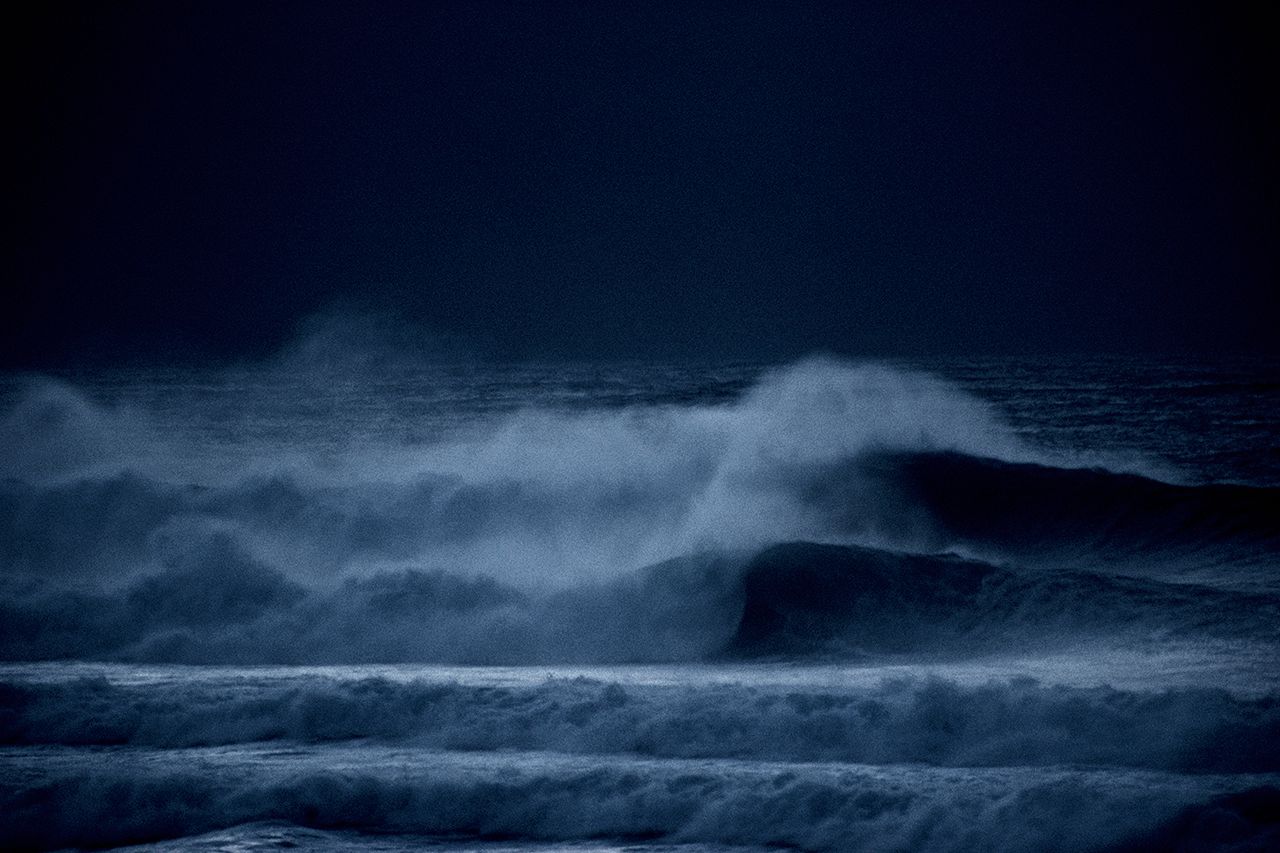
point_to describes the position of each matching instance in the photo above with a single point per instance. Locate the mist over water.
(548, 491)
(878, 606)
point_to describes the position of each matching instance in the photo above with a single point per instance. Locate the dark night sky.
(643, 180)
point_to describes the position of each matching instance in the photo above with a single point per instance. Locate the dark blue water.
(963, 605)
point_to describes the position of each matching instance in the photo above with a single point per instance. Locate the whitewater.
(388, 604)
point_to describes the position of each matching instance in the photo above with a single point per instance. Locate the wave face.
(805, 598)
(791, 601)
(695, 608)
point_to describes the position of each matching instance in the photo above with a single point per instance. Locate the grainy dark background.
(617, 180)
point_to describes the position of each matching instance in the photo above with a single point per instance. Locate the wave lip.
(1036, 514)
(555, 496)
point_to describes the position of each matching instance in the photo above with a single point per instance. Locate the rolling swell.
(1035, 514)
(807, 599)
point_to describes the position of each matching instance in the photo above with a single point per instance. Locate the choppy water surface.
(951, 606)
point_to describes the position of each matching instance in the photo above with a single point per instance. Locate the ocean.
(954, 604)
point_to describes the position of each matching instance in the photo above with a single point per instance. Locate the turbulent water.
(968, 605)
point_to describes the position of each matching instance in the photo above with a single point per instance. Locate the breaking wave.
(905, 720)
(143, 797)
(219, 604)
(634, 533)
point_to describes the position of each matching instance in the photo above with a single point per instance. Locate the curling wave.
(217, 604)
(643, 533)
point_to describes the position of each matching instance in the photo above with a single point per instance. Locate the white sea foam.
(535, 496)
(541, 796)
(927, 720)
